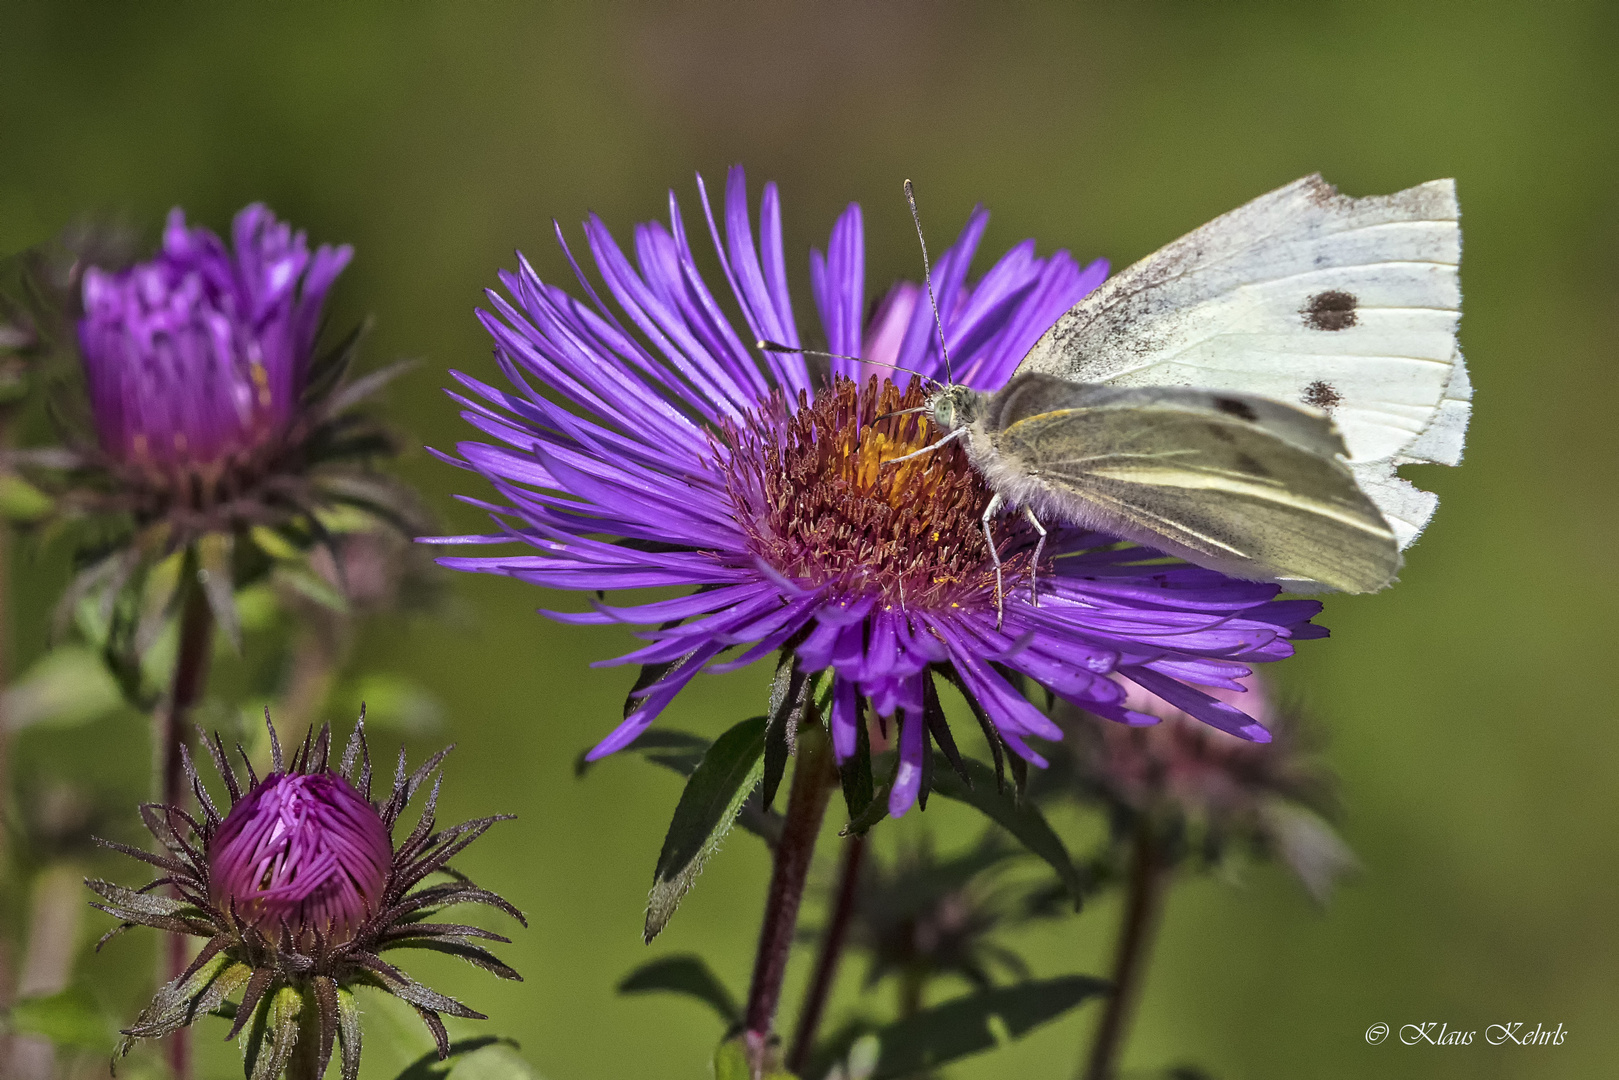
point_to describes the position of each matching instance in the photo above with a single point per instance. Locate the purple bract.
(303, 852)
(652, 446)
(198, 358)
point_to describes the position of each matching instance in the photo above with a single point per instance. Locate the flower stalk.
(1149, 880)
(826, 962)
(813, 778)
(172, 729)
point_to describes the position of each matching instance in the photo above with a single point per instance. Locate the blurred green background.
(1470, 708)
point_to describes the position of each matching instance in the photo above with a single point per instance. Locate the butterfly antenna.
(778, 347)
(927, 276)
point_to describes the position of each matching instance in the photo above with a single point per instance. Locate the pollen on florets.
(823, 501)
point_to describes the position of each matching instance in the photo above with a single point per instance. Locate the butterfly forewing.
(1303, 295)
(1239, 483)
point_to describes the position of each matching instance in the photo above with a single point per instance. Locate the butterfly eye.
(944, 413)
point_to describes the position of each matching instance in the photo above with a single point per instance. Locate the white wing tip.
(1434, 200)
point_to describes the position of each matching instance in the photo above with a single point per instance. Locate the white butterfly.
(1243, 396)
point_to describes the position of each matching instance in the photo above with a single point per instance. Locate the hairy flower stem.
(304, 1064)
(1149, 878)
(826, 964)
(813, 778)
(173, 729)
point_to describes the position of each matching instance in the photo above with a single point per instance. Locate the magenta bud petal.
(305, 852)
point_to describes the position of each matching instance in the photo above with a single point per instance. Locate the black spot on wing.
(1330, 310)
(1236, 407)
(1323, 395)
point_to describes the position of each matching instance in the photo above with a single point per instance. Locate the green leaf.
(731, 1063)
(300, 579)
(499, 1061)
(686, 974)
(180, 1002)
(708, 808)
(789, 693)
(651, 674)
(978, 1022)
(269, 1040)
(66, 687)
(348, 1033)
(876, 809)
(860, 1061)
(22, 502)
(1020, 818)
(682, 752)
(70, 1018)
(274, 544)
(482, 1056)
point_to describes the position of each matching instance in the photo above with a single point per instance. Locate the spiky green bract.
(297, 986)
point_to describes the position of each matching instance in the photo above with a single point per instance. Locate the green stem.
(832, 942)
(304, 1064)
(173, 731)
(1149, 878)
(813, 778)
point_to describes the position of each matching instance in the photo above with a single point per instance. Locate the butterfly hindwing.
(1240, 483)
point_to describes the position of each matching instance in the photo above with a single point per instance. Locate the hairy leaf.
(708, 807)
(273, 1034)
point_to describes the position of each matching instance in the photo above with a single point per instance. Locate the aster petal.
(655, 700)
(1210, 710)
(845, 719)
(668, 333)
(908, 774)
(839, 284)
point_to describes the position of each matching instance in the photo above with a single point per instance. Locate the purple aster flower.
(213, 426)
(196, 361)
(649, 445)
(210, 409)
(299, 889)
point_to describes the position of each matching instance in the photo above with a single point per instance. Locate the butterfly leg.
(1034, 564)
(956, 434)
(994, 507)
